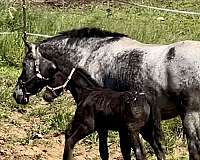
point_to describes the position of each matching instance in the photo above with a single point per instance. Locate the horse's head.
(36, 74)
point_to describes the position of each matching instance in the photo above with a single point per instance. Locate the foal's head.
(78, 78)
(55, 87)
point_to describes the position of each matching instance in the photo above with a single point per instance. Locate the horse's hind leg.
(190, 115)
(191, 124)
(135, 142)
(103, 147)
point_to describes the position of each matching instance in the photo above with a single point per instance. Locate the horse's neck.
(62, 53)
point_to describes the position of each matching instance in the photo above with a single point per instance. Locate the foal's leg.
(152, 132)
(103, 147)
(190, 115)
(77, 133)
(148, 133)
(135, 142)
(125, 144)
(82, 125)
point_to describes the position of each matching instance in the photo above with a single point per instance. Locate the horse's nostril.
(25, 100)
(20, 98)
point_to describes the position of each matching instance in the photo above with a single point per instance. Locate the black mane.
(85, 33)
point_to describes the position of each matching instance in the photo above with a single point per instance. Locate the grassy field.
(36, 122)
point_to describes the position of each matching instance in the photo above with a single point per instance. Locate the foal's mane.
(85, 33)
(86, 77)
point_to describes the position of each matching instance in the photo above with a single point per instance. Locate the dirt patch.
(20, 139)
(52, 149)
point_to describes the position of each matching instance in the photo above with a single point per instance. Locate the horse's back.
(172, 65)
(167, 66)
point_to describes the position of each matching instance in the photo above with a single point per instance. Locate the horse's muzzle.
(20, 97)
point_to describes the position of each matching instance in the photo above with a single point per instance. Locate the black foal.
(101, 110)
(104, 109)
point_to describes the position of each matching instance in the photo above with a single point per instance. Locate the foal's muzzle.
(49, 95)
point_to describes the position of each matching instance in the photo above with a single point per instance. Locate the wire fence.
(159, 9)
(29, 34)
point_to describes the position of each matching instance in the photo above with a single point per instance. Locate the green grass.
(141, 24)
(7, 79)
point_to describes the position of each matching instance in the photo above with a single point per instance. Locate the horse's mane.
(85, 33)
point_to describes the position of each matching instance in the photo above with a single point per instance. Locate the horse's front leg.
(77, 133)
(189, 108)
(125, 144)
(103, 144)
(72, 138)
(191, 124)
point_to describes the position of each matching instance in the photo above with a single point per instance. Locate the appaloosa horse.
(170, 73)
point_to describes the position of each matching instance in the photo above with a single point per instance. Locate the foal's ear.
(47, 68)
(52, 69)
(52, 66)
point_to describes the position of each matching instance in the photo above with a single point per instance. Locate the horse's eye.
(30, 56)
(23, 64)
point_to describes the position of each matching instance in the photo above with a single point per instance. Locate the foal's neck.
(80, 86)
(79, 93)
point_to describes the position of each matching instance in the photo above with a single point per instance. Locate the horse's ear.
(27, 45)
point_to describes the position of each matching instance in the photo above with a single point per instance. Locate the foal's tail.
(155, 119)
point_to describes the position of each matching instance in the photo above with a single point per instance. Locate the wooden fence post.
(24, 20)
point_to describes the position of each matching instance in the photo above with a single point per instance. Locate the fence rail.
(30, 34)
(160, 9)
